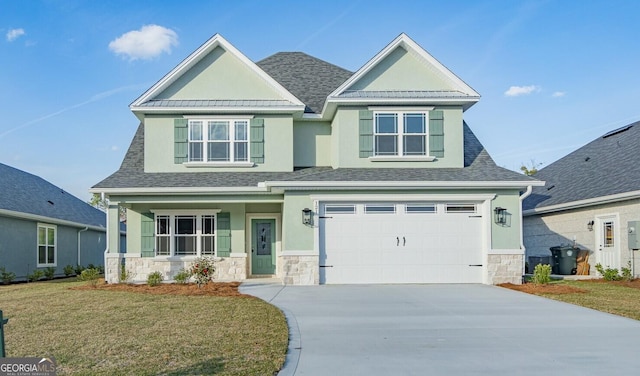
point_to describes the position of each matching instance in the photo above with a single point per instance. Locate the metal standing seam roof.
(404, 94)
(478, 166)
(608, 165)
(194, 103)
(26, 193)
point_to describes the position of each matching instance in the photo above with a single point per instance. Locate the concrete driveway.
(446, 330)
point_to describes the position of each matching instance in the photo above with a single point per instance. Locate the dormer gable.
(216, 77)
(403, 73)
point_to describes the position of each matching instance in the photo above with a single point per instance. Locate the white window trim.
(232, 141)
(401, 157)
(172, 214)
(55, 245)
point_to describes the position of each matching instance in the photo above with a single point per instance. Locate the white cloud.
(146, 43)
(516, 91)
(558, 94)
(14, 34)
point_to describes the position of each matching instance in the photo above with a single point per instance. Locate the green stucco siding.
(219, 75)
(159, 144)
(401, 70)
(295, 235)
(311, 144)
(506, 236)
(346, 138)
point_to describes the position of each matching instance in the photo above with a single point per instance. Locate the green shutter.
(147, 235)
(366, 133)
(257, 140)
(180, 140)
(436, 134)
(224, 234)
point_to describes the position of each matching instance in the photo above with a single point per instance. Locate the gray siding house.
(589, 199)
(43, 226)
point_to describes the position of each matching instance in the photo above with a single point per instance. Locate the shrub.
(155, 278)
(125, 275)
(90, 276)
(182, 277)
(609, 274)
(6, 277)
(627, 275)
(79, 269)
(542, 274)
(100, 269)
(202, 270)
(49, 272)
(36, 275)
(68, 270)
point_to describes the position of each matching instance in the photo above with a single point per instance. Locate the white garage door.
(400, 243)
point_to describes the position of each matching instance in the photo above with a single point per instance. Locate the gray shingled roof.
(606, 166)
(26, 193)
(478, 167)
(308, 78)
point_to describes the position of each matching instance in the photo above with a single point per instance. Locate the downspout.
(79, 231)
(522, 198)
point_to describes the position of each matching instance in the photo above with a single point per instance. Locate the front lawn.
(103, 332)
(619, 298)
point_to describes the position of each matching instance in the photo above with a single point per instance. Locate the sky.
(552, 75)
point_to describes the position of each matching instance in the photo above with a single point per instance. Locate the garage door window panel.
(421, 209)
(460, 208)
(379, 209)
(340, 209)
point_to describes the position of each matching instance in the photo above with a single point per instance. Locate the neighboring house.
(589, 198)
(295, 168)
(43, 226)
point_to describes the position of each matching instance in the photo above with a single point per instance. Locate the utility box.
(634, 240)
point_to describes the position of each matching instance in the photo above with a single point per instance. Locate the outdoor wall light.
(500, 215)
(590, 225)
(307, 219)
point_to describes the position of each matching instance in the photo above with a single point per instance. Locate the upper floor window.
(218, 140)
(400, 134)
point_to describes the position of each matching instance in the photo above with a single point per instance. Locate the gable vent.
(616, 131)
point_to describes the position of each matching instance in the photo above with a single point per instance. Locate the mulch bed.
(532, 288)
(223, 289)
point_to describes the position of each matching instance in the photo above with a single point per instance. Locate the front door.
(263, 246)
(608, 242)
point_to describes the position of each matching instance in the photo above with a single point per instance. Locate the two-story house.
(296, 168)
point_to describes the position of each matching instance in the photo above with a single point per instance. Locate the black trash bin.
(564, 260)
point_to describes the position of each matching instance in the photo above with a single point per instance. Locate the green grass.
(97, 332)
(607, 297)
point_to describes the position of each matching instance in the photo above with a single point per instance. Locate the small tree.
(530, 170)
(103, 204)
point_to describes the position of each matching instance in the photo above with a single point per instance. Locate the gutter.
(523, 196)
(323, 185)
(583, 203)
(55, 221)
